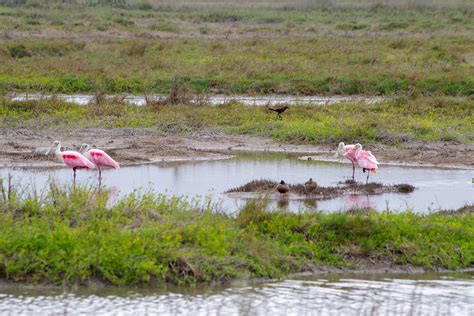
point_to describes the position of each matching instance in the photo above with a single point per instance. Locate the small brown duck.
(310, 185)
(282, 187)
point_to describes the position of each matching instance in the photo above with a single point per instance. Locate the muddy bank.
(467, 209)
(361, 267)
(25, 146)
(264, 186)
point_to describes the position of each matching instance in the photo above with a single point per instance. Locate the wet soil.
(25, 146)
(321, 192)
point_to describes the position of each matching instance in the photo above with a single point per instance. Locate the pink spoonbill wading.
(347, 151)
(366, 161)
(99, 157)
(71, 159)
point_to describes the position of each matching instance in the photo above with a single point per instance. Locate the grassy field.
(70, 236)
(230, 18)
(287, 66)
(300, 47)
(393, 122)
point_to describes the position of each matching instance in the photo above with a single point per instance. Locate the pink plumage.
(102, 159)
(366, 160)
(71, 159)
(74, 159)
(350, 152)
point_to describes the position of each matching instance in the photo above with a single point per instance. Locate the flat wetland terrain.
(417, 57)
(437, 130)
(298, 48)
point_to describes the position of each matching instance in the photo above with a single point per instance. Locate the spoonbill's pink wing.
(101, 158)
(73, 159)
(371, 157)
(367, 160)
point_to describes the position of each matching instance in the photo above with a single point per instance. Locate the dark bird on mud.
(278, 110)
(310, 185)
(282, 187)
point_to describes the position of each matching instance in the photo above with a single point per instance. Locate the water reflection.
(350, 295)
(436, 188)
(283, 201)
(359, 201)
(310, 203)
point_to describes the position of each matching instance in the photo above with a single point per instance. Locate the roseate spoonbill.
(347, 151)
(366, 161)
(282, 187)
(310, 185)
(99, 158)
(70, 158)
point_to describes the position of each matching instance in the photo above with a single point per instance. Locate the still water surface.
(139, 100)
(436, 188)
(424, 294)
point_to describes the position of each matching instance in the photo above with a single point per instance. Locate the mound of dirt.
(261, 185)
(375, 187)
(321, 192)
(467, 209)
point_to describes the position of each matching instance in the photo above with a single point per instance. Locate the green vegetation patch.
(73, 236)
(244, 18)
(377, 66)
(390, 122)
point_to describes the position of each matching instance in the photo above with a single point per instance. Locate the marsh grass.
(242, 17)
(73, 235)
(383, 66)
(393, 122)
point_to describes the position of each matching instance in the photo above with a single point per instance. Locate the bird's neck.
(57, 151)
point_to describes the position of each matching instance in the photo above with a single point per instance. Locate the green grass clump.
(391, 122)
(73, 236)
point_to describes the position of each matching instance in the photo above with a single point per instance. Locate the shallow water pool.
(436, 188)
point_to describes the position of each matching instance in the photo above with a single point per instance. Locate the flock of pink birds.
(87, 158)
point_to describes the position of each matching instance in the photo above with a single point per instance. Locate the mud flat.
(25, 146)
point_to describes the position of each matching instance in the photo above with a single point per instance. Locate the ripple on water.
(348, 296)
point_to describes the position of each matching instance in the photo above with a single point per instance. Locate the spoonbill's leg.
(100, 173)
(74, 181)
(368, 174)
(353, 171)
(100, 184)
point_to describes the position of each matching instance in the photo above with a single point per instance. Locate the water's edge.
(386, 270)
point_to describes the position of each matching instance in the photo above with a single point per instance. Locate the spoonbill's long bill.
(71, 159)
(348, 151)
(366, 161)
(99, 157)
